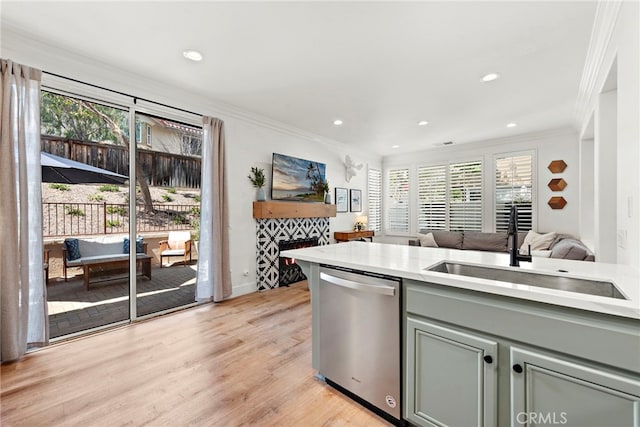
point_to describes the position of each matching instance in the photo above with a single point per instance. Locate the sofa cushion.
(73, 249)
(427, 240)
(538, 242)
(571, 249)
(448, 239)
(495, 242)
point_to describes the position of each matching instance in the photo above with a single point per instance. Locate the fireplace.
(288, 271)
(271, 231)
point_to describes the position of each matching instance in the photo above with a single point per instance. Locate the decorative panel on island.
(270, 209)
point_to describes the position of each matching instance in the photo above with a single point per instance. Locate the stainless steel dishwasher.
(359, 318)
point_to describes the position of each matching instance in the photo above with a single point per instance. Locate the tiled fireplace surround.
(273, 230)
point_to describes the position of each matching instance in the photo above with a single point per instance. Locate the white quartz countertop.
(411, 262)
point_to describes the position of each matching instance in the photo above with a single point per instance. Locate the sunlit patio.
(74, 309)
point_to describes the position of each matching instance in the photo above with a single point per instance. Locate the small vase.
(260, 196)
(327, 198)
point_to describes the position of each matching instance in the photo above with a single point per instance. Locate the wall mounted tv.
(297, 179)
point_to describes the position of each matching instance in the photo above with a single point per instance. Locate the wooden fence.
(160, 169)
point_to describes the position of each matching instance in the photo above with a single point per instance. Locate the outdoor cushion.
(173, 252)
(73, 249)
(496, 242)
(139, 245)
(107, 245)
(177, 239)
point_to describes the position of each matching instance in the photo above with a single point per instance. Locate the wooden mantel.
(271, 209)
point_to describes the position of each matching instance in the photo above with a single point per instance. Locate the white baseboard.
(245, 288)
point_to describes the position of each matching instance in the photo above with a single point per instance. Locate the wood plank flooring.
(243, 362)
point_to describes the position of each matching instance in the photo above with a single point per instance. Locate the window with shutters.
(465, 196)
(514, 186)
(432, 197)
(374, 198)
(398, 201)
(450, 197)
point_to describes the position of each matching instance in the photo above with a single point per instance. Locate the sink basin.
(562, 283)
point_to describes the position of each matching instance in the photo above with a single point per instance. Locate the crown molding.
(35, 52)
(484, 144)
(604, 24)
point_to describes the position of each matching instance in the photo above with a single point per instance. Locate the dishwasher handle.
(382, 290)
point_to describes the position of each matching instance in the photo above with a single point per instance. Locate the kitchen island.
(478, 351)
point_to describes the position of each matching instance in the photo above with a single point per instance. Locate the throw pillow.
(427, 240)
(538, 242)
(73, 249)
(139, 245)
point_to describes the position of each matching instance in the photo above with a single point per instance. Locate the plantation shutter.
(398, 201)
(432, 198)
(514, 185)
(465, 196)
(374, 196)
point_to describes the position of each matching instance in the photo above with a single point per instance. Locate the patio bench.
(103, 255)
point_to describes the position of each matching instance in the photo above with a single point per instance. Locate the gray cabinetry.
(451, 376)
(550, 366)
(549, 390)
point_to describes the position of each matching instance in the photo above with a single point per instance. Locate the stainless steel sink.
(560, 282)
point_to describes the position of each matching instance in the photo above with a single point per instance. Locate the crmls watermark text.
(541, 418)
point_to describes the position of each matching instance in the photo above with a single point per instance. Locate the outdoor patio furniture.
(45, 266)
(177, 244)
(102, 255)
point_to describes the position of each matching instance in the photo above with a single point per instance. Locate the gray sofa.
(564, 246)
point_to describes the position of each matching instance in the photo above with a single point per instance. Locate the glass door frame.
(93, 93)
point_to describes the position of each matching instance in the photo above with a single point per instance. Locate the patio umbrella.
(61, 170)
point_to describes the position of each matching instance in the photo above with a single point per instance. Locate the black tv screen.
(297, 179)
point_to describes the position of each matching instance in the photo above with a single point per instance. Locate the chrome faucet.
(512, 231)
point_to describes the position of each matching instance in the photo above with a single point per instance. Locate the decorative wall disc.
(557, 202)
(557, 184)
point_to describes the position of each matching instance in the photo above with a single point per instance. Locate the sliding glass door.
(100, 272)
(85, 212)
(168, 209)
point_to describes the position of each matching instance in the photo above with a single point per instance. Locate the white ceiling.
(379, 66)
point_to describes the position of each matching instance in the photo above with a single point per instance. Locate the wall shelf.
(271, 209)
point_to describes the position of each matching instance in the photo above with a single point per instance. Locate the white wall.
(251, 145)
(559, 144)
(615, 45)
(251, 140)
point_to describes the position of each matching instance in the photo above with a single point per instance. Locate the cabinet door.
(546, 390)
(451, 377)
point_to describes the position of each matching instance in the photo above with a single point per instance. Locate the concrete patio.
(73, 309)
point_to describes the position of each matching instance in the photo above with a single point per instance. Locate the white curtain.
(23, 305)
(214, 269)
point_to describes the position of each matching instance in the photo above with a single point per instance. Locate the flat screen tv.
(297, 179)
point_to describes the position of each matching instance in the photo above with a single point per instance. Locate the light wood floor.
(246, 361)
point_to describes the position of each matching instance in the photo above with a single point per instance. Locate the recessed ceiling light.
(193, 55)
(423, 123)
(337, 122)
(490, 77)
(512, 125)
(395, 146)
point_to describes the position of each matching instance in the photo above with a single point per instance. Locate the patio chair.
(177, 244)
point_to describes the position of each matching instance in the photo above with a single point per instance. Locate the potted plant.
(257, 180)
(327, 194)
